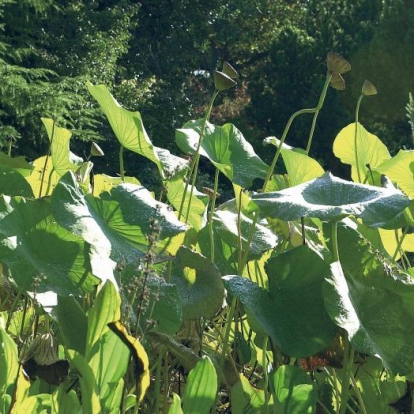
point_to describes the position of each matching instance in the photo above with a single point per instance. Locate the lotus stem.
(356, 137)
(317, 110)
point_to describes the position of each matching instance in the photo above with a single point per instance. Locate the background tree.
(157, 57)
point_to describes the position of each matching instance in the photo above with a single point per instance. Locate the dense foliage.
(294, 298)
(157, 57)
(129, 284)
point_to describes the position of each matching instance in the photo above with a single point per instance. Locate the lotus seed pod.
(222, 81)
(368, 89)
(337, 64)
(337, 82)
(96, 150)
(229, 70)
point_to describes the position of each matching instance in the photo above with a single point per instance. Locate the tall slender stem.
(334, 241)
(46, 160)
(356, 137)
(121, 163)
(212, 208)
(282, 140)
(317, 110)
(348, 362)
(194, 165)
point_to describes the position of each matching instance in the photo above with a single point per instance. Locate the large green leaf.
(399, 170)
(369, 148)
(40, 254)
(129, 129)
(199, 283)
(295, 391)
(374, 317)
(226, 148)
(373, 300)
(329, 198)
(115, 225)
(292, 312)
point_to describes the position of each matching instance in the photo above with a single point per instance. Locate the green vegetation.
(294, 298)
(129, 284)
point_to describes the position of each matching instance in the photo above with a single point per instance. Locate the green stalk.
(317, 110)
(210, 220)
(358, 395)
(194, 165)
(46, 161)
(314, 111)
(226, 338)
(334, 241)
(121, 163)
(400, 241)
(348, 363)
(356, 136)
(282, 140)
(265, 374)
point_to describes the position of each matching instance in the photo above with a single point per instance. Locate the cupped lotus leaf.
(199, 283)
(398, 170)
(292, 311)
(130, 132)
(299, 166)
(226, 148)
(330, 198)
(116, 225)
(59, 146)
(370, 150)
(40, 254)
(196, 210)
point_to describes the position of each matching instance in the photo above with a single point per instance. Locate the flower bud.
(368, 89)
